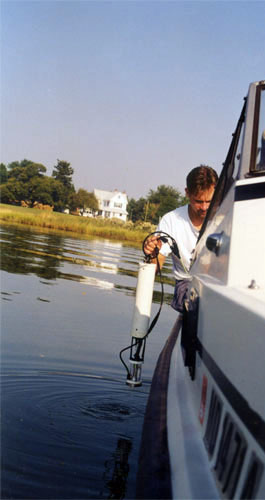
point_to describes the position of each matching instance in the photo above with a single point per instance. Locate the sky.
(133, 94)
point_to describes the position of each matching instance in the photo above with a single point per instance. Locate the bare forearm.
(161, 260)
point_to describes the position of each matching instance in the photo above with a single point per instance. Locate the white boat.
(204, 430)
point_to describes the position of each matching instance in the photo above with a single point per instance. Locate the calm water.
(71, 427)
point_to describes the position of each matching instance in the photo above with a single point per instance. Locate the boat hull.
(154, 473)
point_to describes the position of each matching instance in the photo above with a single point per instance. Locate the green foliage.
(46, 190)
(3, 173)
(26, 182)
(63, 172)
(158, 202)
(136, 209)
(163, 200)
(13, 191)
(83, 199)
(6, 194)
(92, 202)
(25, 170)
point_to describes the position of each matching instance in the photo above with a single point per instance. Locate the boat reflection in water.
(117, 469)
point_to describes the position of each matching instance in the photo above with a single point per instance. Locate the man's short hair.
(201, 178)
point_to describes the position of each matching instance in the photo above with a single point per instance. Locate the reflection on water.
(88, 280)
(118, 469)
(49, 256)
(71, 427)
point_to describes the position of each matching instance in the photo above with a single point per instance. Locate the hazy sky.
(132, 93)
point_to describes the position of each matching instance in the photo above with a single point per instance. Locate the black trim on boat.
(252, 420)
(250, 191)
(154, 477)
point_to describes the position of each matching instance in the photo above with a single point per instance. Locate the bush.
(145, 226)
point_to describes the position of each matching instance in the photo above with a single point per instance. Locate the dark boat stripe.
(153, 476)
(252, 420)
(250, 191)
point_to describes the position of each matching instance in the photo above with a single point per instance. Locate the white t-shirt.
(178, 225)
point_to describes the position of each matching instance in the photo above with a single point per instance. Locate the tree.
(163, 200)
(14, 191)
(63, 172)
(25, 170)
(93, 202)
(6, 194)
(46, 190)
(83, 199)
(3, 173)
(42, 189)
(136, 209)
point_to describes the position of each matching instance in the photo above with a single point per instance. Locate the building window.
(118, 205)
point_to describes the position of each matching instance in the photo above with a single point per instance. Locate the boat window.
(229, 172)
(260, 147)
(237, 157)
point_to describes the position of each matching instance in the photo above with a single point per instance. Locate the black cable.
(154, 321)
(123, 362)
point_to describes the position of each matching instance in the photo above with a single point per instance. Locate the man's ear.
(187, 193)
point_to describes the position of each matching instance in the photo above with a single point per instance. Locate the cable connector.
(175, 249)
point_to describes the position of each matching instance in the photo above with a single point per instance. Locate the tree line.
(27, 181)
(157, 203)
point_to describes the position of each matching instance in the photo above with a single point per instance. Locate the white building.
(112, 204)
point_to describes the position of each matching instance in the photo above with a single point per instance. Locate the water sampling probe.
(140, 328)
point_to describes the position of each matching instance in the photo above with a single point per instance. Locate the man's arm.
(161, 260)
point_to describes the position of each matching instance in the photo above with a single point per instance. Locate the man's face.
(199, 202)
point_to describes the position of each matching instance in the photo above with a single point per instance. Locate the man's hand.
(151, 244)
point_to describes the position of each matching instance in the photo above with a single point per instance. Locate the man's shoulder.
(173, 219)
(177, 213)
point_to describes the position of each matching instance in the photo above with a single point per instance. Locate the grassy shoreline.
(79, 226)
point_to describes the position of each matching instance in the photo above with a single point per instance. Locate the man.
(184, 224)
